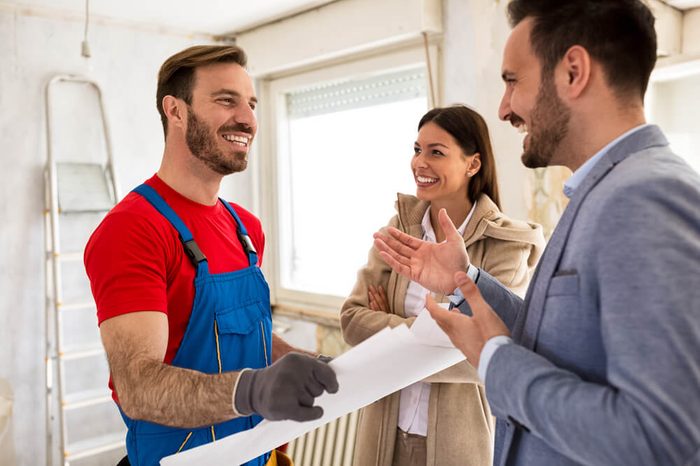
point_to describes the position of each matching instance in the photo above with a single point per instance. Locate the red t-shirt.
(136, 261)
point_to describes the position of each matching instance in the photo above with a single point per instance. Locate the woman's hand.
(377, 298)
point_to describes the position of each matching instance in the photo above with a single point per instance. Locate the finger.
(398, 245)
(382, 246)
(307, 414)
(305, 399)
(441, 315)
(382, 294)
(313, 387)
(404, 239)
(400, 268)
(372, 291)
(448, 227)
(325, 375)
(471, 293)
(374, 303)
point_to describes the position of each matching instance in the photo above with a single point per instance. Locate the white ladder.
(79, 191)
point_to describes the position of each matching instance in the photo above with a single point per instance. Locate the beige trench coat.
(460, 426)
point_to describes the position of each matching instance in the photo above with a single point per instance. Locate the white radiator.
(329, 445)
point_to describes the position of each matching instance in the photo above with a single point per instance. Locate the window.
(343, 151)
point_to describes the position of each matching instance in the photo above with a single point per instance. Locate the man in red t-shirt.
(183, 308)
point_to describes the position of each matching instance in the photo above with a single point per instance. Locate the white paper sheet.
(426, 330)
(384, 363)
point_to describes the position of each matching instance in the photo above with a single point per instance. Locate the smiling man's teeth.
(425, 179)
(238, 139)
(522, 128)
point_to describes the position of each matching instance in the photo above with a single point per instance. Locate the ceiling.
(210, 17)
(213, 17)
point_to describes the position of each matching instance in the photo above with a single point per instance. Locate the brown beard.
(202, 142)
(549, 124)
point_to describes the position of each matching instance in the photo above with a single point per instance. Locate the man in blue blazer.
(600, 364)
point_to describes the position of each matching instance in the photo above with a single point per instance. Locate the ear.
(175, 111)
(475, 165)
(574, 72)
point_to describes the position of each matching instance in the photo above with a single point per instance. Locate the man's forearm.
(156, 392)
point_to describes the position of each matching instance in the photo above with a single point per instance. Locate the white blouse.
(413, 406)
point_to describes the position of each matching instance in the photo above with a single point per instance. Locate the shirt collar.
(429, 233)
(579, 175)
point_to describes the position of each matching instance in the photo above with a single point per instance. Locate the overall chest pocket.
(240, 320)
(243, 336)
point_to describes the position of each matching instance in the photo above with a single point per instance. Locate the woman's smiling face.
(440, 167)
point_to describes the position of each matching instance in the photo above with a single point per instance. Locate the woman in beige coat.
(443, 420)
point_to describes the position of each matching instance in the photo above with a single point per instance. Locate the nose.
(504, 110)
(418, 161)
(246, 116)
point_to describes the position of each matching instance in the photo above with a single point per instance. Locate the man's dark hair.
(617, 33)
(176, 75)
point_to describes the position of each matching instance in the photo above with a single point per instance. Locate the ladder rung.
(86, 398)
(76, 306)
(87, 210)
(68, 256)
(79, 352)
(94, 446)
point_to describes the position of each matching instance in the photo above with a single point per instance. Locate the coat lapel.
(527, 330)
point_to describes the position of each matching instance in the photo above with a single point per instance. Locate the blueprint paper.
(384, 363)
(426, 330)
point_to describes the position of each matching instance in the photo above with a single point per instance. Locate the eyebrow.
(432, 144)
(232, 93)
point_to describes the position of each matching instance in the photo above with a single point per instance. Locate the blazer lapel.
(527, 329)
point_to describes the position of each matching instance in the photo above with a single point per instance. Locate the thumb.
(471, 293)
(448, 227)
(437, 312)
(325, 375)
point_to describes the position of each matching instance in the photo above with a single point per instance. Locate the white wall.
(475, 33)
(32, 49)
(691, 32)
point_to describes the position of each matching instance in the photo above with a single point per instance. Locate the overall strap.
(243, 235)
(199, 260)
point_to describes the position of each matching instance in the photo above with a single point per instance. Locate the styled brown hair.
(471, 133)
(176, 75)
(619, 34)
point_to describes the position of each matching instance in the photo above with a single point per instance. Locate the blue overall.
(230, 328)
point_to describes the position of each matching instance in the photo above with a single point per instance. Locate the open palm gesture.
(433, 265)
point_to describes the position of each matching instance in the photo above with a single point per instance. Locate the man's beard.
(202, 142)
(549, 125)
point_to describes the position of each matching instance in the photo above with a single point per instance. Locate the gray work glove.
(286, 389)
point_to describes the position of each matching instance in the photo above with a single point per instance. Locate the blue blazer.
(605, 368)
